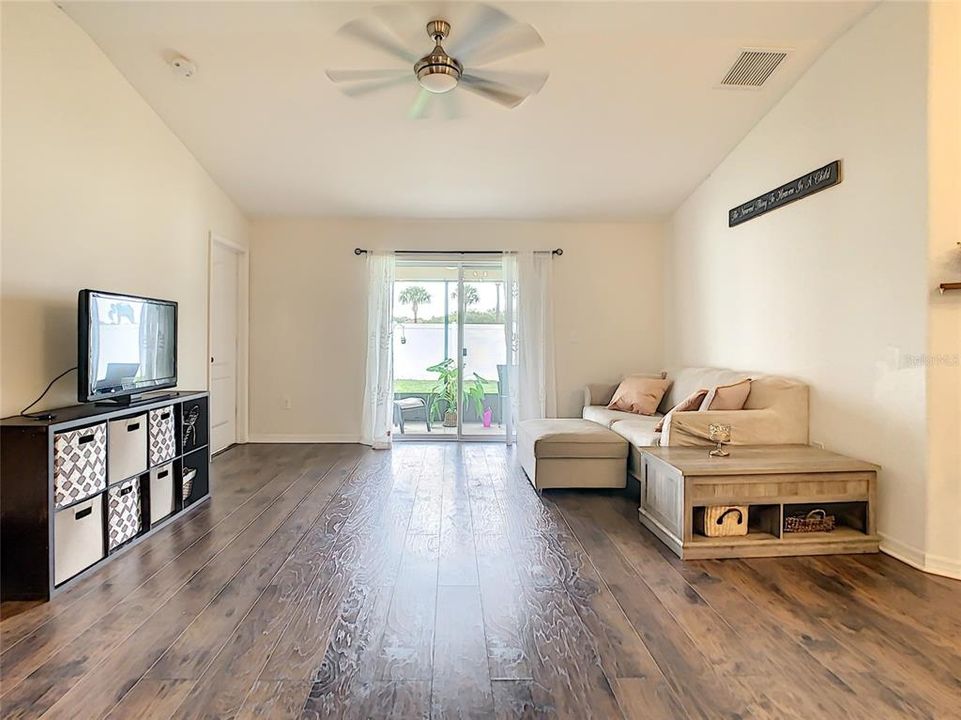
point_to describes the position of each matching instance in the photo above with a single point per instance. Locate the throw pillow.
(691, 402)
(728, 397)
(638, 394)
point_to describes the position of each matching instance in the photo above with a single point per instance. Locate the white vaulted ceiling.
(630, 121)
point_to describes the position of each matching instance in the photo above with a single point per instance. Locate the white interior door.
(224, 288)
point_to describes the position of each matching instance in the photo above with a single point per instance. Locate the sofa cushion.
(691, 402)
(571, 438)
(639, 431)
(727, 397)
(605, 417)
(601, 393)
(780, 393)
(687, 380)
(639, 394)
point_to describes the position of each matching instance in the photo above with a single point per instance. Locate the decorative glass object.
(720, 434)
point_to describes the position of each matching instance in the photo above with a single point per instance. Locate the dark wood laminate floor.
(431, 581)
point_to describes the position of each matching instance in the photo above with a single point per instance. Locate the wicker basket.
(725, 520)
(815, 521)
(188, 482)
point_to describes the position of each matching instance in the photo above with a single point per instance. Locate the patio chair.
(403, 405)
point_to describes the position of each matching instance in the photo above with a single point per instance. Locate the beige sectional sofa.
(776, 412)
(591, 452)
(571, 453)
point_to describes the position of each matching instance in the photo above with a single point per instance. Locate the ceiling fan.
(488, 35)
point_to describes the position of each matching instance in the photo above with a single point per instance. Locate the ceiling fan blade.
(421, 105)
(339, 76)
(527, 82)
(501, 94)
(485, 23)
(403, 23)
(519, 39)
(452, 105)
(369, 34)
(370, 86)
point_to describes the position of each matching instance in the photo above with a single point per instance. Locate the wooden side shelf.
(773, 482)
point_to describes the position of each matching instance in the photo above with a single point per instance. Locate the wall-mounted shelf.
(949, 286)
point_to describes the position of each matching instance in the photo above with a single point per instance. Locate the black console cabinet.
(103, 478)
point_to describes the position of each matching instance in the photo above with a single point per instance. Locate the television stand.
(81, 487)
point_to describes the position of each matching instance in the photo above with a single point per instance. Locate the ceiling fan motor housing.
(437, 71)
(438, 29)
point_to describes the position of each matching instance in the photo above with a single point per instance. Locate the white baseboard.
(281, 438)
(902, 551)
(946, 567)
(910, 555)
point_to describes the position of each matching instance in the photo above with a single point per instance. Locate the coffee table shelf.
(751, 537)
(773, 481)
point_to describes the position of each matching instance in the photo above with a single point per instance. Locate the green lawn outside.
(425, 386)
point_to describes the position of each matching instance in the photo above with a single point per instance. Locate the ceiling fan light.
(437, 80)
(438, 72)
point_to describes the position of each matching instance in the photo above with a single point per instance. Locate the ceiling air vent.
(753, 68)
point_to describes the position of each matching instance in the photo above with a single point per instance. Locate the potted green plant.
(444, 390)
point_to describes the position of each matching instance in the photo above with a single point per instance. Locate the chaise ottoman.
(571, 453)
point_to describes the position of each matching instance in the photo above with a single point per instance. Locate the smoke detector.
(184, 67)
(753, 67)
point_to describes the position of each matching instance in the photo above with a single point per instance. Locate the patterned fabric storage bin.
(79, 463)
(127, 447)
(77, 538)
(123, 512)
(162, 442)
(161, 492)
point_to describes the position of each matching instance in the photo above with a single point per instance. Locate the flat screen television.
(127, 345)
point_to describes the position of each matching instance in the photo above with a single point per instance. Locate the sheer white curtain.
(528, 277)
(379, 389)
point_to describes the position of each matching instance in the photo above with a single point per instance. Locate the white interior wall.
(309, 294)
(97, 193)
(943, 545)
(832, 289)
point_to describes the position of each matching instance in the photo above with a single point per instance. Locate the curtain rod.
(362, 251)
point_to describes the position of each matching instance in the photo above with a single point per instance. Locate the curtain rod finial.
(559, 251)
(359, 251)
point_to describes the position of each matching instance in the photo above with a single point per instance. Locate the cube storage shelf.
(82, 487)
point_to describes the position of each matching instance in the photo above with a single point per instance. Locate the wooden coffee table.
(773, 481)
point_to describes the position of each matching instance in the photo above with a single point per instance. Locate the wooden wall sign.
(812, 182)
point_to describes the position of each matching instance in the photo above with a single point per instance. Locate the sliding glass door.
(483, 350)
(451, 375)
